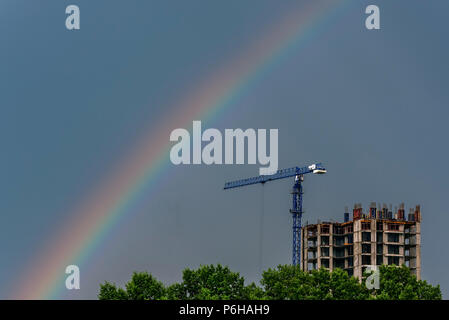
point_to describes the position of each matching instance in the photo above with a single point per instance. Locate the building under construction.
(379, 236)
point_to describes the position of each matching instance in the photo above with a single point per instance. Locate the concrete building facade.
(369, 239)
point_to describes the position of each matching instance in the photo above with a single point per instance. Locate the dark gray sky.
(371, 105)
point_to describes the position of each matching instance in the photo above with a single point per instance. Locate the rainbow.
(90, 222)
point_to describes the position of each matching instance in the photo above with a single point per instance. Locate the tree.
(397, 283)
(344, 287)
(108, 291)
(291, 283)
(209, 282)
(253, 292)
(286, 282)
(175, 291)
(143, 286)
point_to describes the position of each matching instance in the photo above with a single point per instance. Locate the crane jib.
(280, 174)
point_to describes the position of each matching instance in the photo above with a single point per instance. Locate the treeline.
(286, 282)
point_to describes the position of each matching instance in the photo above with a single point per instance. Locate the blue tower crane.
(297, 192)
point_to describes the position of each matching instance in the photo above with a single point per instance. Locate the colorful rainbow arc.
(92, 220)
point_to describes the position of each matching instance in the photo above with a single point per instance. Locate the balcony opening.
(324, 240)
(393, 227)
(366, 248)
(393, 237)
(379, 237)
(393, 249)
(379, 260)
(366, 225)
(366, 236)
(393, 260)
(380, 249)
(325, 229)
(366, 260)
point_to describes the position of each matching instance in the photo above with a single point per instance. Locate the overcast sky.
(371, 105)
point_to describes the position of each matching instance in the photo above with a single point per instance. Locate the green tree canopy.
(286, 282)
(109, 291)
(209, 282)
(142, 286)
(397, 283)
(291, 283)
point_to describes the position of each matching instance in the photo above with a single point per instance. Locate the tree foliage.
(397, 283)
(109, 291)
(286, 282)
(209, 283)
(142, 286)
